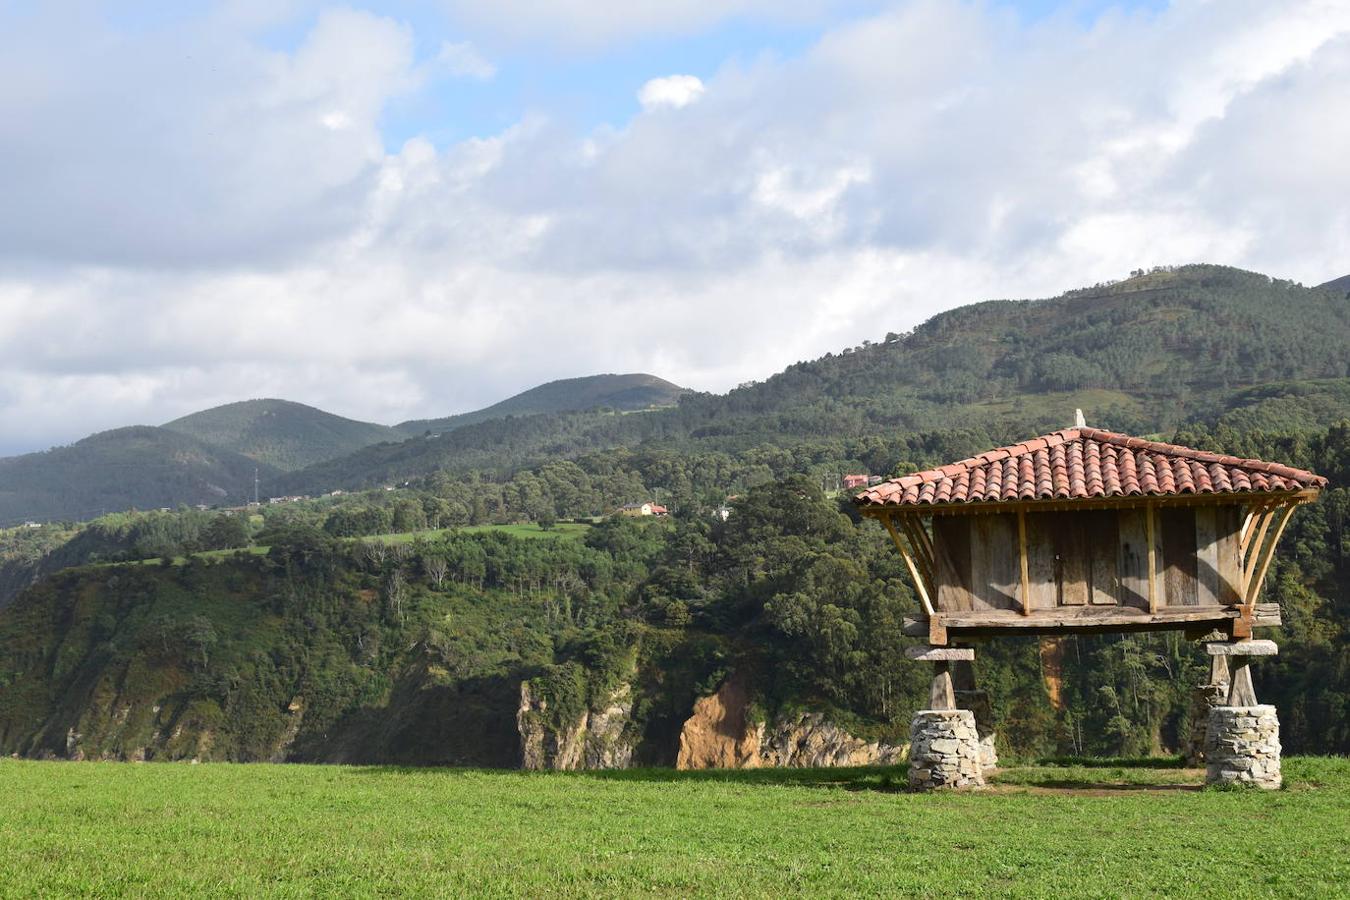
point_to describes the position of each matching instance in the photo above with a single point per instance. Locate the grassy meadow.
(111, 829)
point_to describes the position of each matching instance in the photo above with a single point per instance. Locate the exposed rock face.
(719, 735)
(1243, 746)
(809, 741)
(715, 736)
(596, 740)
(944, 750)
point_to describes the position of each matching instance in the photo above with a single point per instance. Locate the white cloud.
(179, 234)
(586, 24)
(463, 59)
(677, 91)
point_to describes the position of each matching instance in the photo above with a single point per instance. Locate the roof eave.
(1212, 498)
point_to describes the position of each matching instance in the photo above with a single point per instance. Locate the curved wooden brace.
(1265, 554)
(914, 573)
(918, 543)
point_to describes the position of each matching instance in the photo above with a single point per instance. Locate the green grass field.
(569, 530)
(530, 530)
(111, 829)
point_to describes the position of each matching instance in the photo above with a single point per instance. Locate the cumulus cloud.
(462, 58)
(673, 90)
(244, 232)
(193, 145)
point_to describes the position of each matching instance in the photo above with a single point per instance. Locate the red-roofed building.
(1085, 530)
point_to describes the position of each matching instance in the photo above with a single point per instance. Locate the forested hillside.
(121, 469)
(620, 393)
(279, 433)
(1143, 356)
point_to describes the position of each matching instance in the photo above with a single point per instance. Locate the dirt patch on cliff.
(715, 736)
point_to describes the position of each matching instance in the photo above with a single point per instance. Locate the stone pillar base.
(944, 750)
(977, 701)
(1203, 700)
(1243, 746)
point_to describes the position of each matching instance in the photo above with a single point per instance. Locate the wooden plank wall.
(1089, 558)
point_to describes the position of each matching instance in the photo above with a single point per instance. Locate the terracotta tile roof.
(1086, 463)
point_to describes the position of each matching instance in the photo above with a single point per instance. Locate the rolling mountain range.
(1144, 355)
(211, 457)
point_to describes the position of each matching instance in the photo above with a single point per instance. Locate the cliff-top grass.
(169, 830)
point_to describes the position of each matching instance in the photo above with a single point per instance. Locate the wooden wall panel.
(1228, 530)
(1093, 556)
(1042, 562)
(1103, 539)
(1206, 557)
(1178, 579)
(995, 565)
(951, 546)
(1075, 575)
(1132, 558)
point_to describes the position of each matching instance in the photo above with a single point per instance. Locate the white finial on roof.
(1078, 420)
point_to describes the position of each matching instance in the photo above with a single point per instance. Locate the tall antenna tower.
(255, 485)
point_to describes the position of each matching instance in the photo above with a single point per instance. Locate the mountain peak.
(629, 392)
(280, 433)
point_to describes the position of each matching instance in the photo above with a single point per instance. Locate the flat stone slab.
(1244, 648)
(941, 654)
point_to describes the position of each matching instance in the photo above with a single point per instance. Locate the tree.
(436, 568)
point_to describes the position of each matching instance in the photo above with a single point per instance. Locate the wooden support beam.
(1262, 561)
(1241, 692)
(1218, 672)
(1022, 557)
(936, 631)
(942, 695)
(1203, 623)
(1149, 531)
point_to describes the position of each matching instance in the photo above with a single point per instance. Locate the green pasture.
(170, 830)
(528, 530)
(568, 530)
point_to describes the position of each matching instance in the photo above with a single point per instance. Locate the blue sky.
(398, 209)
(591, 85)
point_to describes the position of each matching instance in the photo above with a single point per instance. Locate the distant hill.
(1338, 284)
(623, 393)
(140, 466)
(1141, 355)
(279, 433)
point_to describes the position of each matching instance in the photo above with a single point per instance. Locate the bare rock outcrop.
(597, 739)
(719, 735)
